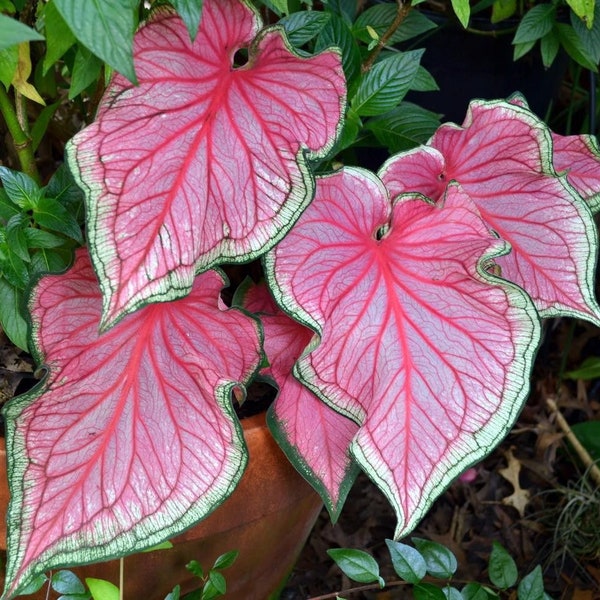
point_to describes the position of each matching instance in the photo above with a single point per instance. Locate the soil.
(530, 494)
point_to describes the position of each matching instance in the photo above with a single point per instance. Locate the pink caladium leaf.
(502, 158)
(313, 436)
(205, 161)
(132, 437)
(419, 343)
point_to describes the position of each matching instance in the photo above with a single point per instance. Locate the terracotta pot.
(268, 519)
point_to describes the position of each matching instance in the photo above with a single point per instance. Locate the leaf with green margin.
(462, 9)
(502, 569)
(191, 13)
(87, 68)
(58, 35)
(9, 58)
(303, 26)
(384, 86)
(407, 561)
(358, 565)
(11, 317)
(153, 223)
(536, 23)
(440, 561)
(14, 32)
(404, 127)
(381, 359)
(531, 587)
(102, 589)
(51, 214)
(106, 28)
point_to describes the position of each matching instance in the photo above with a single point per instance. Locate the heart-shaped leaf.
(132, 437)
(315, 438)
(502, 158)
(419, 343)
(205, 161)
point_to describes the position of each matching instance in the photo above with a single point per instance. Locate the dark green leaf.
(589, 38)
(62, 187)
(381, 16)
(86, 70)
(15, 327)
(588, 433)
(521, 50)
(51, 261)
(337, 33)
(503, 9)
(427, 591)
(424, 81)
(7, 208)
(589, 369)
(106, 28)
(15, 236)
(279, 7)
(40, 580)
(549, 47)
(407, 561)
(475, 591)
(303, 26)
(440, 561)
(49, 213)
(536, 23)
(36, 238)
(502, 569)
(451, 593)
(41, 124)
(357, 565)
(575, 49)
(66, 582)
(214, 587)
(342, 8)
(191, 13)
(386, 84)
(404, 127)
(13, 267)
(20, 188)
(14, 32)
(174, 595)
(226, 560)
(58, 35)
(531, 587)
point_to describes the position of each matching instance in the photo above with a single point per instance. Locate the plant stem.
(583, 454)
(21, 140)
(401, 14)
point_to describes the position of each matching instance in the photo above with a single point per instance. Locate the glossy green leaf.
(407, 561)
(14, 32)
(440, 561)
(195, 568)
(66, 582)
(589, 369)
(215, 586)
(476, 591)
(424, 81)
(531, 587)
(357, 565)
(462, 9)
(41, 124)
(343, 8)
(503, 9)
(106, 28)
(549, 47)
(574, 47)
(13, 267)
(20, 188)
(86, 70)
(36, 584)
(11, 319)
(191, 13)
(427, 591)
(589, 37)
(404, 127)
(303, 26)
(337, 33)
(62, 187)
(50, 260)
(7, 207)
(226, 560)
(175, 594)
(451, 593)
(58, 34)
(588, 433)
(279, 7)
(502, 568)
(386, 84)
(536, 23)
(15, 236)
(521, 50)
(37, 238)
(162, 546)
(102, 590)
(53, 215)
(9, 58)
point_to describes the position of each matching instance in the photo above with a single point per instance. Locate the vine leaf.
(419, 344)
(502, 158)
(205, 161)
(315, 438)
(132, 436)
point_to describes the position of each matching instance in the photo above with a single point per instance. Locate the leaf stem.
(21, 140)
(583, 454)
(401, 14)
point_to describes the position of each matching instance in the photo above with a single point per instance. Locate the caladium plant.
(399, 318)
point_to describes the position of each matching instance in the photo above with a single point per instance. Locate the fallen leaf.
(520, 497)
